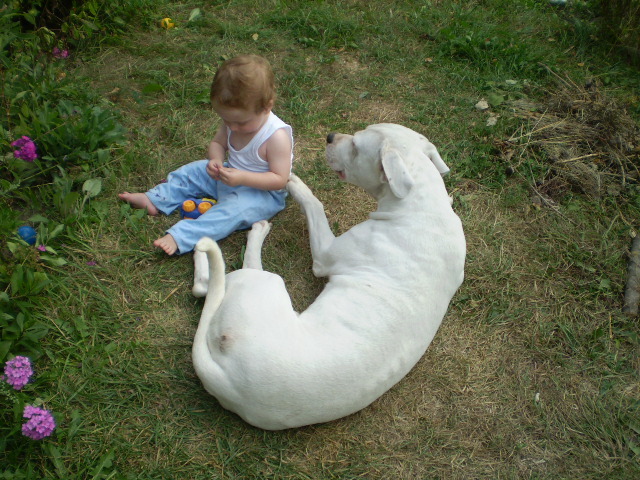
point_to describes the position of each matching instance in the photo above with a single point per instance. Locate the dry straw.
(588, 140)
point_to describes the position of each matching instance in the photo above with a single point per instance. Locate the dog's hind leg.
(200, 274)
(255, 239)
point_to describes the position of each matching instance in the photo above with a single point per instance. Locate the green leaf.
(495, 99)
(4, 349)
(195, 14)
(19, 96)
(17, 281)
(68, 202)
(54, 261)
(40, 281)
(90, 25)
(30, 16)
(151, 88)
(37, 218)
(103, 153)
(101, 209)
(105, 463)
(92, 187)
(56, 458)
(56, 231)
(81, 326)
(13, 247)
(36, 333)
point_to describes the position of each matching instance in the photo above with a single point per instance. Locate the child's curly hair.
(245, 82)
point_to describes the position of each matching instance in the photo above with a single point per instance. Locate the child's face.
(242, 121)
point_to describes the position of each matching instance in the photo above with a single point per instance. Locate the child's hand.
(230, 176)
(213, 169)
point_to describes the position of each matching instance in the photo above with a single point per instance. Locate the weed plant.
(57, 139)
(535, 370)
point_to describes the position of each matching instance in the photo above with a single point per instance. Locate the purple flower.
(41, 423)
(26, 149)
(42, 248)
(92, 263)
(60, 53)
(17, 372)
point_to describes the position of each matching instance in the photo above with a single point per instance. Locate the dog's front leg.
(320, 235)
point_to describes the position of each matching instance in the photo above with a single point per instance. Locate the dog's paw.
(293, 182)
(297, 188)
(204, 244)
(261, 226)
(201, 270)
(199, 289)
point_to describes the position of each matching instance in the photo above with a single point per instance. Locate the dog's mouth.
(334, 163)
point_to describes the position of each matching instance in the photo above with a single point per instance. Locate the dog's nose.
(330, 137)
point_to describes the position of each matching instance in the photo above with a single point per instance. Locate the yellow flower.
(167, 23)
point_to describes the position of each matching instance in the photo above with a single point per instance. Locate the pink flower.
(60, 53)
(26, 149)
(17, 372)
(42, 248)
(41, 423)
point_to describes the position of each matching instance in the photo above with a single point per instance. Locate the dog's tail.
(202, 361)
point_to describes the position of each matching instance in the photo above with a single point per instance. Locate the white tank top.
(247, 158)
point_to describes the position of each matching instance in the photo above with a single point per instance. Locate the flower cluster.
(41, 423)
(17, 372)
(26, 149)
(60, 53)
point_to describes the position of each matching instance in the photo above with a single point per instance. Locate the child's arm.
(278, 155)
(217, 152)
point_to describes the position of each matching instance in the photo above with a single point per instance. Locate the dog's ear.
(394, 171)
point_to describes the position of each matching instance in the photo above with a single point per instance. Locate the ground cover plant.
(535, 370)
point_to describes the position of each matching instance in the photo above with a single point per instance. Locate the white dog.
(390, 282)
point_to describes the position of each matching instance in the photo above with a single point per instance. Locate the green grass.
(534, 372)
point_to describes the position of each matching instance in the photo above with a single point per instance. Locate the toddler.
(250, 185)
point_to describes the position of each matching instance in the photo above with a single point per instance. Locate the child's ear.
(269, 106)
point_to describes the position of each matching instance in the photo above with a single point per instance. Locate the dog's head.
(381, 156)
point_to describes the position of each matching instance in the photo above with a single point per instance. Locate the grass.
(534, 372)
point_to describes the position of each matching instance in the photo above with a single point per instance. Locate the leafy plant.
(21, 329)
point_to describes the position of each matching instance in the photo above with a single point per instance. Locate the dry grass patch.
(588, 139)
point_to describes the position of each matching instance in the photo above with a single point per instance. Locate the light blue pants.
(238, 207)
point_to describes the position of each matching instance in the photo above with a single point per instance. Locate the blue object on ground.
(28, 234)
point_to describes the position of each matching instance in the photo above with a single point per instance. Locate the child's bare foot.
(139, 200)
(167, 243)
